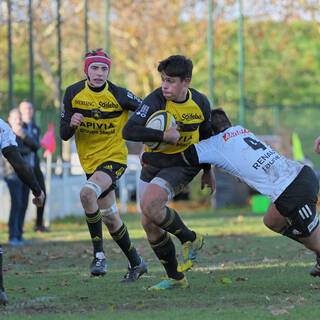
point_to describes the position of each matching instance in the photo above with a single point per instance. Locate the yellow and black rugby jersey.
(193, 117)
(99, 137)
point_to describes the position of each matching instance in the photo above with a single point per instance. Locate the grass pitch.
(244, 271)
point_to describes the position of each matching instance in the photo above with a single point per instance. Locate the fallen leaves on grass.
(241, 279)
(43, 288)
(15, 256)
(293, 300)
(280, 311)
(65, 283)
(39, 271)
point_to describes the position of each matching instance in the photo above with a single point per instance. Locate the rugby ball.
(160, 120)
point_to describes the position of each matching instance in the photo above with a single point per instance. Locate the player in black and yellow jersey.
(191, 110)
(95, 111)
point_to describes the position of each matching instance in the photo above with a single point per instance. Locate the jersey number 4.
(254, 144)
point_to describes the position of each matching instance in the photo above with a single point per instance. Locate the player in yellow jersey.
(95, 111)
(191, 110)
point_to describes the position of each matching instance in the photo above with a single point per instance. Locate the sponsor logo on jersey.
(267, 160)
(108, 105)
(191, 116)
(232, 134)
(94, 125)
(184, 141)
(130, 95)
(143, 110)
(84, 103)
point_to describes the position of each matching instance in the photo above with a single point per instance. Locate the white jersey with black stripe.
(7, 137)
(242, 154)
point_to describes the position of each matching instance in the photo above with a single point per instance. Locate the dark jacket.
(28, 145)
(24, 151)
(32, 141)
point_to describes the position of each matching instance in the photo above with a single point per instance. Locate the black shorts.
(298, 202)
(114, 169)
(177, 177)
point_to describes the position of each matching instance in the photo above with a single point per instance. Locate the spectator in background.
(33, 131)
(317, 145)
(19, 192)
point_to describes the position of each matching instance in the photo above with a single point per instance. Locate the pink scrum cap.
(96, 57)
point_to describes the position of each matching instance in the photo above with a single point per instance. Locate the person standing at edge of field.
(291, 186)
(27, 111)
(317, 145)
(191, 110)
(10, 151)
(95, 111)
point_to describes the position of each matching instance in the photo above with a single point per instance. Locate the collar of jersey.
(189, 96)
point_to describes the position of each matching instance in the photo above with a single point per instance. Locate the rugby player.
(191, 110)
(95, 110)
(292, 187)
(10, 151)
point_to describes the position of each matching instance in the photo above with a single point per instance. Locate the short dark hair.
(219, 121)
(176, 66)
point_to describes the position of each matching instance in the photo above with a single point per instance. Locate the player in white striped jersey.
(291, 187)
(10, 151)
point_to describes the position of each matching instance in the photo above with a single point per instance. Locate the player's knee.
(269, 223)
(90, 192)
(87, 196)
(151, 204)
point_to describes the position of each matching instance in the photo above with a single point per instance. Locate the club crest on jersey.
(96, 114)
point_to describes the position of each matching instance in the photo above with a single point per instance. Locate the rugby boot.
(134, 273)
(189, 254)
(169, 283)
(99, 265)
(315, 270)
